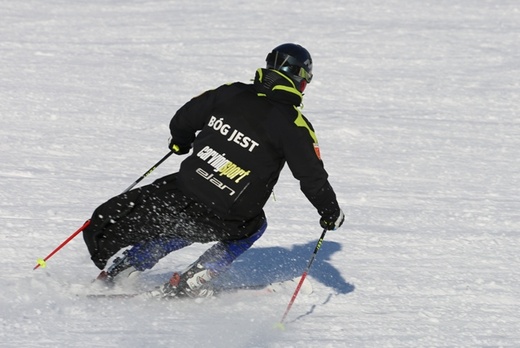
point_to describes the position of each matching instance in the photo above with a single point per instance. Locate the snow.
(416, 105)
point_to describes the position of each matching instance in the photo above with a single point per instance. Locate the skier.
(241, 136)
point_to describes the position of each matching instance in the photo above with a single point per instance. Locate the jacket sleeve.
(191, 118)
(302, 155)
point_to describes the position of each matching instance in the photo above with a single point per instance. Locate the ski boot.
(193, 283)
(120, 271)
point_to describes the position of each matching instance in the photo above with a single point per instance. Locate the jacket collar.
(275, 85)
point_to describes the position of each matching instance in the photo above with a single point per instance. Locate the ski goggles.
(297, 71)
(288, 64)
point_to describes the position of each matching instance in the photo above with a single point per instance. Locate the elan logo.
(211, 178)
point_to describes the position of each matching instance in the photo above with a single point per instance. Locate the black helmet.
(292, 60)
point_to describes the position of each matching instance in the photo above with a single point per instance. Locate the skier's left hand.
(332, 221)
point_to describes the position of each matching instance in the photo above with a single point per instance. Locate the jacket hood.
(276, 86)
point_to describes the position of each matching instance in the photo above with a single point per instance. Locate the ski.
(281, 286)
(122, 295)
(275, 287)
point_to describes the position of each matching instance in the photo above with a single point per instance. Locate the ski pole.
(302, 279)
(41, 262)
(149, 171)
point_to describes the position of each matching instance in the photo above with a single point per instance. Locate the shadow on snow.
(260, 266)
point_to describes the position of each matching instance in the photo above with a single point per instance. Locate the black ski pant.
(157, 210)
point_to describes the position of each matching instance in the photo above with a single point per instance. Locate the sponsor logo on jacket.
(317, 150)
(223, 167)
(233, 135)
(211, 178)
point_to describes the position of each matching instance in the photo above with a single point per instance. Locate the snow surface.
(416, 105)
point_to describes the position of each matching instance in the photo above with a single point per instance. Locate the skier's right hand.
(332, 221)
(178, 149)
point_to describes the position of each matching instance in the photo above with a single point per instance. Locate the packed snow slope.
(416, 105)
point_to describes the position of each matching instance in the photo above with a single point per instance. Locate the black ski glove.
(178, 149)
(332, 221)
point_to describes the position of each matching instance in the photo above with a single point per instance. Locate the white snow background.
(416, 106)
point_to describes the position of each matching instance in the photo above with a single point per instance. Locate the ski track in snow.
(416, 106)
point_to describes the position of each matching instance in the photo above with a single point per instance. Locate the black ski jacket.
(242, 135)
